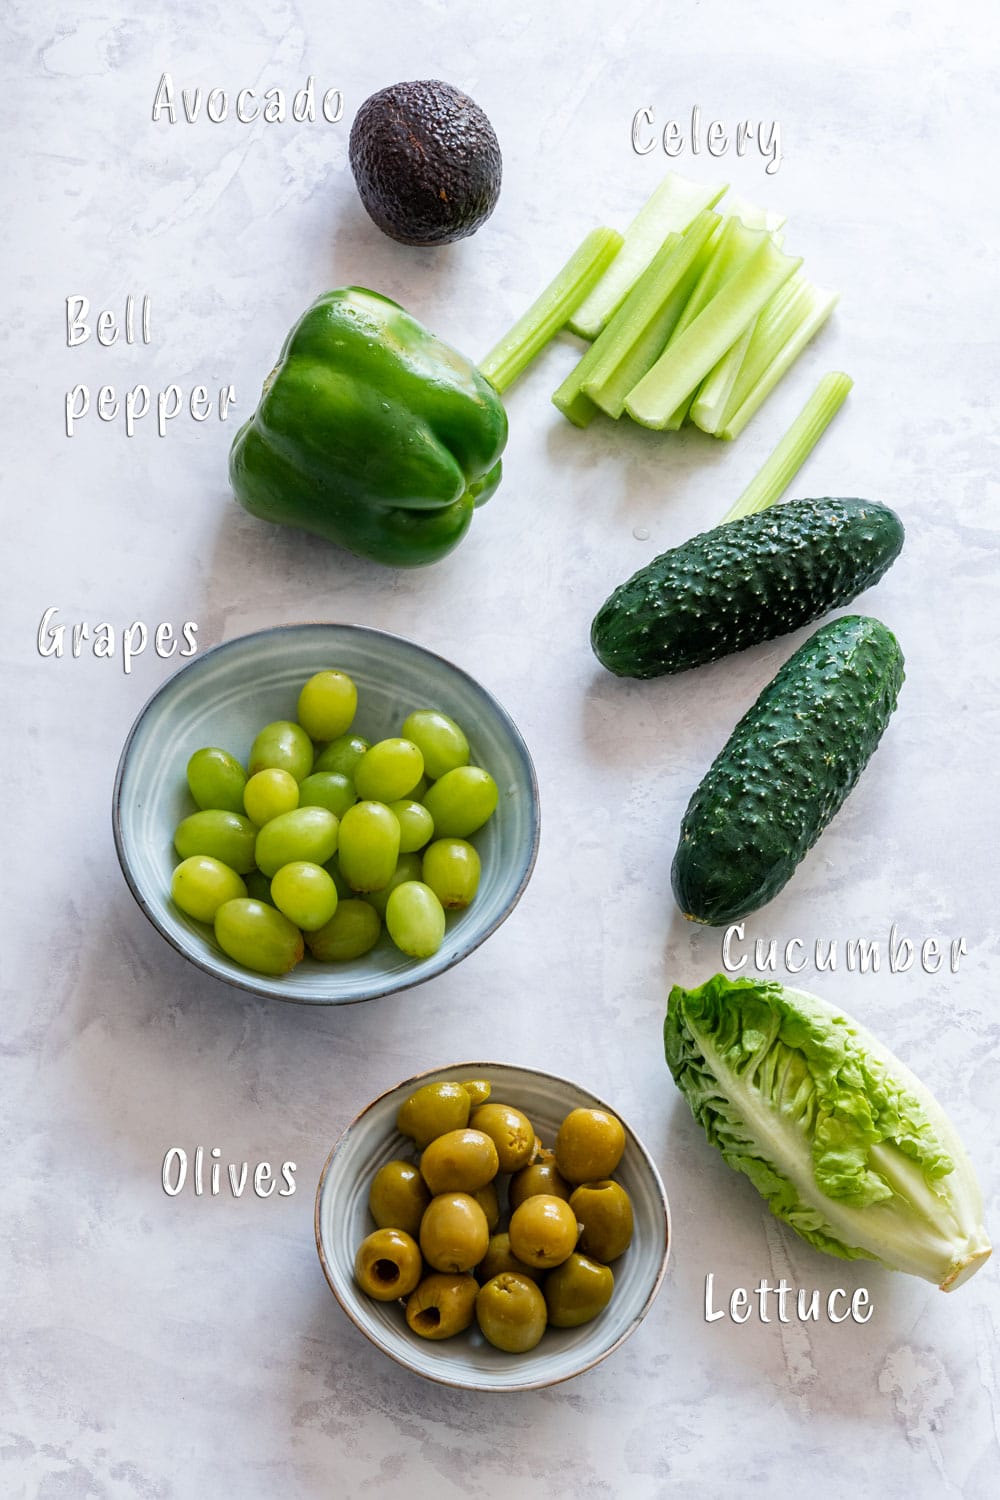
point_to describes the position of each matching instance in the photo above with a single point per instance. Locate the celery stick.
(773, 479)
(690, 355)
(813, 311)
(730, 248)
(549, 312)
(610, 397)
(751, 354)
(753, 216)
(671, 209)
(777, 322)
(574, 405)
(570, 397)
(709, 405)
(635, 337)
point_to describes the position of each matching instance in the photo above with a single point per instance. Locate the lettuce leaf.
(846, 1145)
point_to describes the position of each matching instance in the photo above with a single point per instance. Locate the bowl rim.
(476, 1069)
(270, 991)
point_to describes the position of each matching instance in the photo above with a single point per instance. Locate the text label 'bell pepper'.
(371, 433)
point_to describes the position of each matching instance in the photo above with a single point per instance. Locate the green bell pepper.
(372, 433)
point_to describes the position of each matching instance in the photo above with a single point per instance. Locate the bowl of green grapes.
(325, 813)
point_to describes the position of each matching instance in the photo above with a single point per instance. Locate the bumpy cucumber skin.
(744, 582)
(786, 769)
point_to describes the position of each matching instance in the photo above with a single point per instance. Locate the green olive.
(605, 1211)
(459, 1161)
(489, 1202)
(442, 1305)
(432, 1110)
(478, 1090)
(454, 1233)
(388, 1265)
(577, 1291)
(398, 1196)
(510, 1311)
(589, 1145)
(537, 1177)
(500, 1257)
(542, 1231)
(511, 1132)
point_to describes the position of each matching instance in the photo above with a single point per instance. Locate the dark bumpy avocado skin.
(743, 583)
(786, 769)
(426, 162)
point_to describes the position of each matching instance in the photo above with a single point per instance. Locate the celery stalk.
(731, 248)
(745, 224)
(548, 313)
(570, 397)
(574, 405)
(753, 216)
(810, 313)
(709, 405)
(771, 482)
(638, 332)
(691, 354)
(777, 322)
(672, 207)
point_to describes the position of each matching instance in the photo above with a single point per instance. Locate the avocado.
(426, 162)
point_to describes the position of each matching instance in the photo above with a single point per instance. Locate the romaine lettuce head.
(846, 1145)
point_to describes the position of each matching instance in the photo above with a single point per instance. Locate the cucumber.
(786, 769)
(744, 582)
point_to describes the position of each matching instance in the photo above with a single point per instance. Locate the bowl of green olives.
(325, 813)
(492, 1227)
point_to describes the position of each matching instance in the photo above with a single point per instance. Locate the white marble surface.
(160, 1349)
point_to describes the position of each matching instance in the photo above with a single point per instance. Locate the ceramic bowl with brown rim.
(467, 1361)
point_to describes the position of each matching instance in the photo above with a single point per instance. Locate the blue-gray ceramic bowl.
(225, 696)
(342, 1221)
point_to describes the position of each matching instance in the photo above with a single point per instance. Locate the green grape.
(283, 746)
(354, 929)
(461, 801)
(336, 874)
(369, 845)
(327, 705)
(200, 884)
(407, 868)
(415, 919)
(305, 893)
(258, 886)
(269, 793)
(225, 836)
(216, 780)
(329, 789)
(451, 869)
(342, 754)
(388, 771)
(416, 825)
(308, 833)
(441, 741)
(258, 936)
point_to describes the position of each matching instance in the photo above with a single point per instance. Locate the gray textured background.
(173, 1348)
